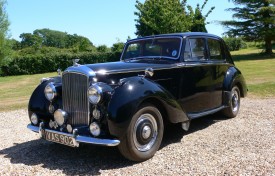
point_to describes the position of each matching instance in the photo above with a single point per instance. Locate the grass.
(15, 91)
(258, 70)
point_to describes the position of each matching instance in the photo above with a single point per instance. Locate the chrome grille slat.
(75, 100)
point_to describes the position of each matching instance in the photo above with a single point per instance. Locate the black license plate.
(58, 138)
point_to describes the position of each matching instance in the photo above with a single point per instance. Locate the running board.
(200, 114)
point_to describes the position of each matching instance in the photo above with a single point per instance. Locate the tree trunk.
(268, 46)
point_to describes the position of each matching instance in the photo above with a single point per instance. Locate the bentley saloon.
(161, 79)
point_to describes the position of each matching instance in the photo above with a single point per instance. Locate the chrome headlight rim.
(94, 94)
(60, 117)
(34, 119)
(50, 92)
(94, 129)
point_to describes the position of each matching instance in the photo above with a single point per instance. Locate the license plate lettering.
(59, 138)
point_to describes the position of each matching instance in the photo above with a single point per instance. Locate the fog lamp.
(96, 114)
(94, 129)
(60, 117)
(34, 119)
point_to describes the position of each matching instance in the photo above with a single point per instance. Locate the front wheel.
(235, 103)
(144, 134)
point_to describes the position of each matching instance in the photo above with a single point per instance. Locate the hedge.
(43, 63)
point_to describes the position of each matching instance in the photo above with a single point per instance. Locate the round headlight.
(94, 94)
(60, 117)
(94, 129)
(34, 119)
(50, 91)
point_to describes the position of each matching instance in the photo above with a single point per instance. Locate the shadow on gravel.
(174, 133)
(88, 159)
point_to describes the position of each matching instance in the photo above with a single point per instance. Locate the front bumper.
(76, 138)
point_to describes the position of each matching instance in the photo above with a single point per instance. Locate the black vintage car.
(160, 79)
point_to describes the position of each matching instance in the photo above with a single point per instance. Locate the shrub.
(42, 62)
(234, 43)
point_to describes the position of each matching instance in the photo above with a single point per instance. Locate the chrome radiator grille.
(75, 100)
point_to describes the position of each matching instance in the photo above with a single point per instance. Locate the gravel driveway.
(244, 145)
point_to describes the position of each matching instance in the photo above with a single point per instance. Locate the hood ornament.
(59, 71)
(75, 64)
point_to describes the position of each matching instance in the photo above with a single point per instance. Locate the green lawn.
(258, 70)
(15, 91)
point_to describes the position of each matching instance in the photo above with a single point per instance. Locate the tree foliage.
(198, 20)
(57, 39)
(169, 16)
(254, 20)
(4, 27)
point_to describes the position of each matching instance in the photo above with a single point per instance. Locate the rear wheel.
(234, 105)
(144, 134)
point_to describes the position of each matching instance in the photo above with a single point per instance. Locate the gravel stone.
(214, 145)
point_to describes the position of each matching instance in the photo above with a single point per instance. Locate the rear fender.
(233, 77)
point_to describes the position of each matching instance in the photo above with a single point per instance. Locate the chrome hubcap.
(145, 132)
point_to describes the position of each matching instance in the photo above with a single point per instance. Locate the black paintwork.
(178, 87)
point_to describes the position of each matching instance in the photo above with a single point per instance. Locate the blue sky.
(102, 21)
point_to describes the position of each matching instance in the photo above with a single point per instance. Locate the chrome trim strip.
(80, 139)
(168, 67)
(197, 115)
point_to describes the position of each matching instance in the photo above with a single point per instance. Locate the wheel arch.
(159, 105)
(234, 77)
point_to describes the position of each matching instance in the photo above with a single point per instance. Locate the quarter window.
(215, 49)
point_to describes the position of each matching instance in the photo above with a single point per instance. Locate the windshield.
(153, 48)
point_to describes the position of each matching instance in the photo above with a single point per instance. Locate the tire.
(144, 134)
(234, 105)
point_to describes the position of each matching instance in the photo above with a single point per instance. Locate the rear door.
(201, 78)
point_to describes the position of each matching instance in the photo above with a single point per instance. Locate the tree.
(254, 20)
(30, 40)
(169, 16)
(4, 27)
(161, 16)
(199, 21)
(102, 48)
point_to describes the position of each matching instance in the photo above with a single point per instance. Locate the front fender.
(40, 105)
(127, 98)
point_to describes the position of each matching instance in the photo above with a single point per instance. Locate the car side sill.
(200, 114)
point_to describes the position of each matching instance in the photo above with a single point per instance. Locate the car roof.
(183, 35)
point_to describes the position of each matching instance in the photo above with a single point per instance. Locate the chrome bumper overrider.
(77, 138)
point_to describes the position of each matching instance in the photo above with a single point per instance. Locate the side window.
(197, 46)
(215, 49)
